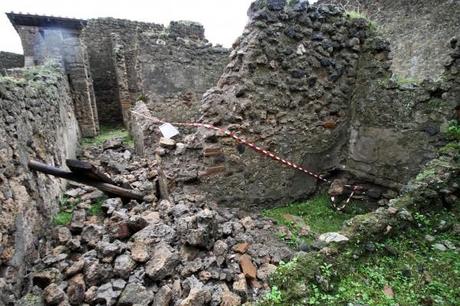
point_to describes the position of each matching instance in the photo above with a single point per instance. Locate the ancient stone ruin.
(314, 85)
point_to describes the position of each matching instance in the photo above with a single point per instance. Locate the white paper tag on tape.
(168, 130)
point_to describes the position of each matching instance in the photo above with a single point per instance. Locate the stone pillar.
(81, 84)
(121, 74)
(33, 44)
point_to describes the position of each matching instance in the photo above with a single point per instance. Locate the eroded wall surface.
(11, 60)
(175, 67)
(418, 30)
(37, 122)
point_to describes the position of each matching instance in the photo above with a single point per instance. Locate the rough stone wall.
(11, 60)
(131, 60)
(313, 86)
(97, 36)
(417, 29)
(175, 68)
(64, 46)
(396, 127)
(36, 122)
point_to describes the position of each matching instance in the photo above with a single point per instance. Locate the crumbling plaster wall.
(11, 60)
(36, 122)
(417, 29)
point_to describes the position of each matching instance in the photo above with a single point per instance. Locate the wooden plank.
(89, 170)
(105, 187)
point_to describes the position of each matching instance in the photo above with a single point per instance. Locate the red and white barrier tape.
(255, 148)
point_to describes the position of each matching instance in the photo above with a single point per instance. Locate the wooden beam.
(76, 177)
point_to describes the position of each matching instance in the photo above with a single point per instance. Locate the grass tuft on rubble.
(107, 133)
(405, 270)
(65, 214)
(317, 213)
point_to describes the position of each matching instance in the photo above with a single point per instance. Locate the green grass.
(107, 133)
(66, 208)
(317, 213)
(359, 15)
(453, 130)
(64, 216)
(417, 273)
(96, 207)
(404, 80)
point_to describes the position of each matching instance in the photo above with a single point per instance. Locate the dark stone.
(275, 5)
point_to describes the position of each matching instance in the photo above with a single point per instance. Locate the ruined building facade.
(110, 63)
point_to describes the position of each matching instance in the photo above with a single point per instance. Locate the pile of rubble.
(178, 251)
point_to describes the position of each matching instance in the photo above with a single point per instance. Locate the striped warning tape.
(354, 189)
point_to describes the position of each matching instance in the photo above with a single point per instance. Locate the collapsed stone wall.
(11, 60)
(313, 86)
(37, 121)
(418, 31)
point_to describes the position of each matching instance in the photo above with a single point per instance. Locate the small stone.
(124, 265)
(449, 244)
(136, 294)
(240, 285)
(53, 294)
(113, 143)
(220, 248)
(332, 237)
(249, 269)
(197, 296)
(230, 299)
(90, 295)
(63, 234)
(78, 221)
(440, 247)
(429, 238)
(106, 295)
(167, 143)
(112, 204)
(329, 124)
(75, 268)
(162, 263)
(265, 271)
(248, 223)
(163, 296)
(241, 247)
(76, 290)
(388, 291)
(140, 251)
(120, 230)
(91, 234)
